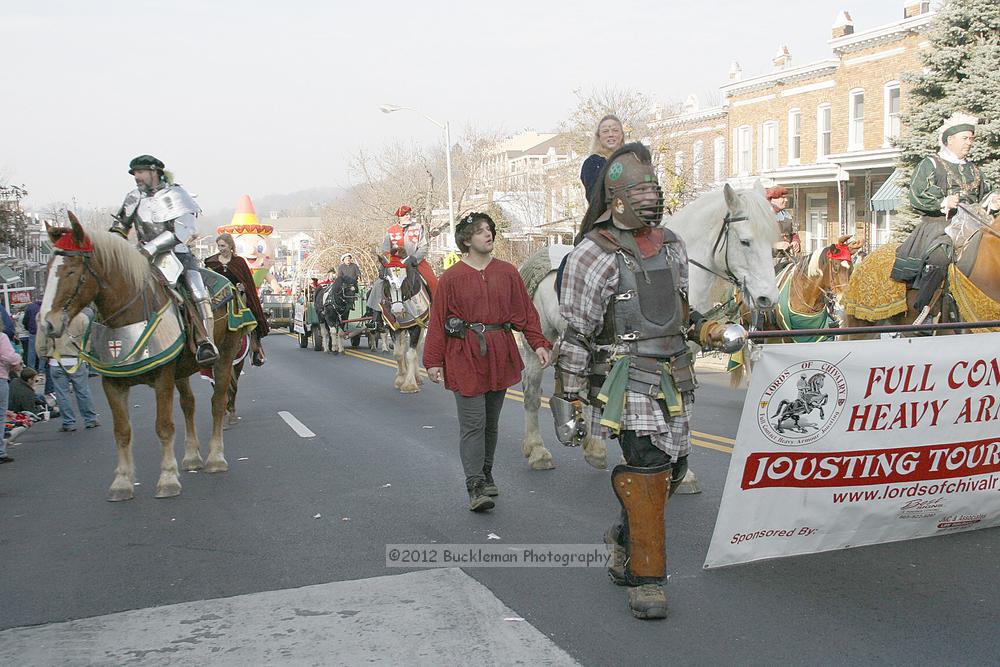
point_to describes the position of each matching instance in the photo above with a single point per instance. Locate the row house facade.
(824, 129)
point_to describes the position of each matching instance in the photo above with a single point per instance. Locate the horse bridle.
(87, 255)
(723, 240)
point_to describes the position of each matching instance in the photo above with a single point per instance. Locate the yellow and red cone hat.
(245, 220)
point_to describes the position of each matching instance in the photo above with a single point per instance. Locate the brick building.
(823, 129)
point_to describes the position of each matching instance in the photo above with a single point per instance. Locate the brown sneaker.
(489, 486)
(647, 601)
(479, 501)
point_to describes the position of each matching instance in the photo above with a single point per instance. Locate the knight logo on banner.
(115, 348)
(802, 404)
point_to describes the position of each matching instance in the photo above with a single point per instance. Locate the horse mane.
(116, 254)
(813, 269)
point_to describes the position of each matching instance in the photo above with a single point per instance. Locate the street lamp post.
(389, 108)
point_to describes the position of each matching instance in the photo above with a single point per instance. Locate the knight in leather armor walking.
(625, 366)
(163, 215)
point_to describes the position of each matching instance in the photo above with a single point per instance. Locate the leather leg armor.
(643, 494)
(207, 353)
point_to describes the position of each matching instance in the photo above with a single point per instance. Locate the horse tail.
(736, 376)
(781, 408)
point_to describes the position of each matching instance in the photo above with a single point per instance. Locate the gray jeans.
(478, 419)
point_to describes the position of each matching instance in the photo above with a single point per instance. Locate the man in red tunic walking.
(471, 348)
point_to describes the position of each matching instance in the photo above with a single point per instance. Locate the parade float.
(253, 242)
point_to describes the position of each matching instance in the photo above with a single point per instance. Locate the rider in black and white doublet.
(164, 219)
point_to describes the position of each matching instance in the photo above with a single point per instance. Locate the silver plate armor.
(152, 214)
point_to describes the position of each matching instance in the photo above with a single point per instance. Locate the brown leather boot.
(643, 493)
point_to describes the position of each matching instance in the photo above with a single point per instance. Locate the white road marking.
(297, 426)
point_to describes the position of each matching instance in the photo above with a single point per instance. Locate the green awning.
(890, 195)
(45, 248)
(8, 275)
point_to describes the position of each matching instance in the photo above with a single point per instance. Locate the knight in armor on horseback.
(625, 358)
(405, 240)
(163, 214)
(940, 183)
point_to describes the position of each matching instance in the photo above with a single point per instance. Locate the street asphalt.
(383, 468)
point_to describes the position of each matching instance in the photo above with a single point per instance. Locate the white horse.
(729, 235)
(406, 310)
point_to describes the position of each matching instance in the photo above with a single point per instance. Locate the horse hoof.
(599, 461)
(117, 495)
(541, 460)
(190, 465)
(168, 490)
(412, 389)
(216, 466)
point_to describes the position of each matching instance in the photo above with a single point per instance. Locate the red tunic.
(494, 295)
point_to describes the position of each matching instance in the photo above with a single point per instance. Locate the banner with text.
(844, 444)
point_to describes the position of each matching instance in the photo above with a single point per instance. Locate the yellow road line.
(711, 445)
(717, 438)
(516, 395)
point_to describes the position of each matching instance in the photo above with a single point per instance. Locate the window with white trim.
(892, 104)
(719, 157)
(769, 145)
(824, 131)
(679, 163)
(744, 149)
(856, 120)
(794, 136)
(697, 155)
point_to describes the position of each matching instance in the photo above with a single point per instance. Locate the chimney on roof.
(782, 59)
(735, 71)
(844, 25)
(912, 8)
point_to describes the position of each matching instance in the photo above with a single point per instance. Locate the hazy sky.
(272, 97)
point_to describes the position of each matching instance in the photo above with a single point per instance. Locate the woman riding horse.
(227, 263)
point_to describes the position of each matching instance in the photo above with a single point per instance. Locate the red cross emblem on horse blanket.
(115, 348)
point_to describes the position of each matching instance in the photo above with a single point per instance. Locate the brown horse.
(105, 269)
(810, 296)
(873, 276)
(811, 291)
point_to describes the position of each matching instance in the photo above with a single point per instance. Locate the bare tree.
(13, 221)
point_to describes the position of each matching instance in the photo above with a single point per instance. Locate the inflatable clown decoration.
(252, 241)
